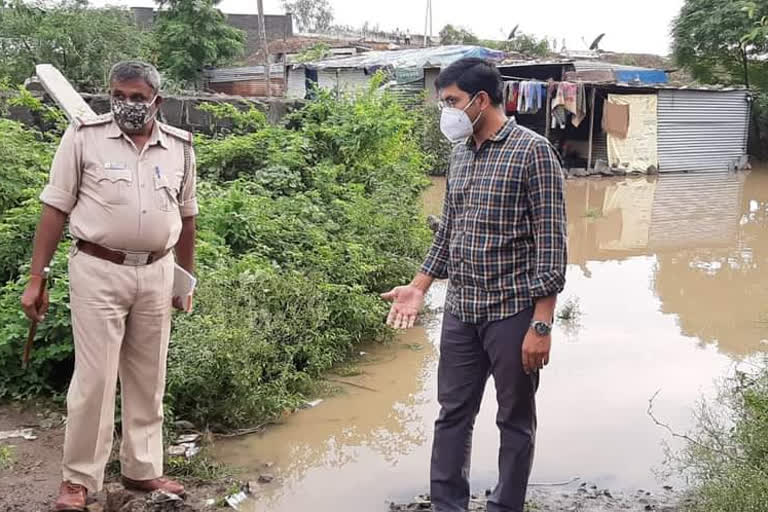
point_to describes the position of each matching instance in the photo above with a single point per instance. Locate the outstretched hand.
(406, 301)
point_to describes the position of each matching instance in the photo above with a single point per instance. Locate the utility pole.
(263, 30)
(428, 24)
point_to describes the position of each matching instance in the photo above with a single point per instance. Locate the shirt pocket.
(114, 185)
(166, 194)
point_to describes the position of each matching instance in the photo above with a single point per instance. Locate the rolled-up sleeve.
(546, 197)
(436, 263)
(188, 200)
(62, 187)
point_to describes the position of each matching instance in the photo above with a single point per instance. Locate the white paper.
(184, 286)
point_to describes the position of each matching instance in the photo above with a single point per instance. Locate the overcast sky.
(638, 26)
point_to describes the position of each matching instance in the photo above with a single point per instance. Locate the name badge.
(115, 166)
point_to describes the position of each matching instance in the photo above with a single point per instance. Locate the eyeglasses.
(450, 103)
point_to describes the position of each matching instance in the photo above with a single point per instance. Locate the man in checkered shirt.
(502, 246)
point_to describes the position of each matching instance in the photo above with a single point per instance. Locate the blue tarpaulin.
(640, 76)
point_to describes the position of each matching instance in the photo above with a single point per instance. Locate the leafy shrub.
(17, 230)
(51, 362)
(258, 337)
(433, 142)
(24, 161)
(301, 227)
(726, 454)
(81, 41)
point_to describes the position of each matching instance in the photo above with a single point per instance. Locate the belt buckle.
(136, 259)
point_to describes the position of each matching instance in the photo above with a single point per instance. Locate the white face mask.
(455, 123)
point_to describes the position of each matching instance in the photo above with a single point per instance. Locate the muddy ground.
(31, 481)
(582, 497)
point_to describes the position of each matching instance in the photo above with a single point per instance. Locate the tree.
(717, 40)
(527, 45)
(80, 41)
(190, 35)
(310, 15)
(457, 35)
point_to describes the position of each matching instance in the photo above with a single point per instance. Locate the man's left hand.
(178, 303)
(535, 351)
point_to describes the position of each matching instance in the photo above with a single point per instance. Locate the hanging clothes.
(581, 105)
(515, 94)
(559, 112)
(570, 98)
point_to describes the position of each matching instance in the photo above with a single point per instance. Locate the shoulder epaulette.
(94, 121)
(176, 132)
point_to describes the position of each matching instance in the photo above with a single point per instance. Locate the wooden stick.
(548, 120)
(591, 128)
(33, 323)
(347, 383)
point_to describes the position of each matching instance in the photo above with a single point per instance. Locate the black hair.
(473, 75)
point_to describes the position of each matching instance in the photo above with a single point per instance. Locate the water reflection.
(376, 422)
(707, 235)
(668, 275)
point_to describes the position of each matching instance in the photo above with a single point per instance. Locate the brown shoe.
(155, 484)
(71, 498)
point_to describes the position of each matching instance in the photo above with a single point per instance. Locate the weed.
(7, 456)
(593, 213)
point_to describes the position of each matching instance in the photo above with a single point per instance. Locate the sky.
(630, 26)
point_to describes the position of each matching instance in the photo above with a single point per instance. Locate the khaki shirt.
(117, 196)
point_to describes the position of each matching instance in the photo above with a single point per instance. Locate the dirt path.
(31, 479)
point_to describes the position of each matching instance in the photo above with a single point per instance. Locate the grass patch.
(7, 456)
(725, 455)
(200, 469)
(593, 213)
(347, 371)
(570, 311)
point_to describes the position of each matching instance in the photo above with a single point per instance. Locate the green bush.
(434, 142)
(24, 162)
(51, 362)
(301, 227)
(726, 455)
(257, 339)
(81, 41)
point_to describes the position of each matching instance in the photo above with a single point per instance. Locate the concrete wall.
(180, 111)
(277, 26)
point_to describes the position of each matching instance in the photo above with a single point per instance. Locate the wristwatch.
(541, 328)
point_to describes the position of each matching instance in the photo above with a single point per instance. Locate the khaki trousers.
(121, 320)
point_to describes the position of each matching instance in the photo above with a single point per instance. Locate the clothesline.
(529, 96)
(548, 81)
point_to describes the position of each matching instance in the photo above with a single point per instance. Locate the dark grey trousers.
(469, 353)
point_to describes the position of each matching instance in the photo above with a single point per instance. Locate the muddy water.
(670, 276)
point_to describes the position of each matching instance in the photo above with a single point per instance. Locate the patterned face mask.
(131, 116)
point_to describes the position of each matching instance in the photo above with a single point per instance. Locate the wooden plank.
(548, 115)
(62, 92)
(591, 128)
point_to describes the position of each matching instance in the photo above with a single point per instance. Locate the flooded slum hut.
(604, 118)
(410, 73)
(612, 119)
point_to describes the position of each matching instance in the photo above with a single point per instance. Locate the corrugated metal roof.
(413, 57)
(244, 73)
(678, 87)
(702, 130)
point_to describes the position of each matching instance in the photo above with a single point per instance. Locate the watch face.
(541, 328)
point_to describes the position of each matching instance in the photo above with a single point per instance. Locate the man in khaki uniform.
(127, 184)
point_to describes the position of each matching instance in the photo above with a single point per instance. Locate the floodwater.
(671, 280)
